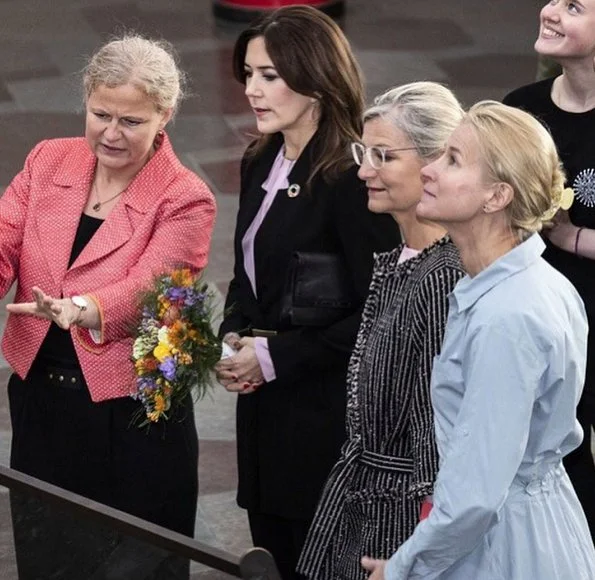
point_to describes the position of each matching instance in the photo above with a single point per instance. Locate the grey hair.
(148, 64)
(425, 111)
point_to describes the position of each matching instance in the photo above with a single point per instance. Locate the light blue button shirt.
(504, 391)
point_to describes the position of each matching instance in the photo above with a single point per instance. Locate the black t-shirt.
(574, 135)
(57, 348)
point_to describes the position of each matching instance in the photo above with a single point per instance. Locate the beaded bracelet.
(578, 235)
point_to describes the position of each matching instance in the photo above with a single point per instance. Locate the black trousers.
(579, 464)
(284, 538)
(92, 449)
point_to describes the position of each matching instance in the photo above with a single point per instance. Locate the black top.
(574, 135)
(57, 348)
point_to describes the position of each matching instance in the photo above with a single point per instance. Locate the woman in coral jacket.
(84, 228)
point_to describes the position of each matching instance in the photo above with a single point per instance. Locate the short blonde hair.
(148, 64)
(518, 150)
(425, 111)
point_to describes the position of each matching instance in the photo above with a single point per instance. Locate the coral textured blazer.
(164, 218)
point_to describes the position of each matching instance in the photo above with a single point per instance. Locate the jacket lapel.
(59, 211)
(283, 211)
(140, 197)
(256, 173)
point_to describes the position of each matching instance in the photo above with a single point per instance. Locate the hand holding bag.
(318, 290)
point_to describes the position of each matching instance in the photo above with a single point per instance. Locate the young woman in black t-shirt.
(566, 104)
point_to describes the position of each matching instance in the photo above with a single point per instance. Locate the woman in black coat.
(299, 192)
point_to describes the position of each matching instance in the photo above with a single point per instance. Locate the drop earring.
(158, 139)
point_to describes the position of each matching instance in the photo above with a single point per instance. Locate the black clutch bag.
(318, 290)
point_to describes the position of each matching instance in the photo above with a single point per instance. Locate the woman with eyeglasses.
(383, 482)
(299, 193)
(510, 371)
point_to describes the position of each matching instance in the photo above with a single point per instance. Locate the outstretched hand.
(59, 310)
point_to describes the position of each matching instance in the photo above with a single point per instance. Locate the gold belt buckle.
(263, 333)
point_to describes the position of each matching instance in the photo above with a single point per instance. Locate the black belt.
(60, 376)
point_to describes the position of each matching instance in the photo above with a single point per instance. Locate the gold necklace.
(97, 206)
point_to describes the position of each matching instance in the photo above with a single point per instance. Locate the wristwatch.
(81, 303)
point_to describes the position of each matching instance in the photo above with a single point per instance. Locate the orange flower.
(179, 332)
(184, 358)
(159, 403)
(182, 277)
(176, 333)
(145, 365)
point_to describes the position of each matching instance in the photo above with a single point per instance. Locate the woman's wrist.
(87, 315)
(80, 304)
(577, 238)
(564, 237)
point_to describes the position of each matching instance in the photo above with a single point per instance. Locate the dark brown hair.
(313, 57)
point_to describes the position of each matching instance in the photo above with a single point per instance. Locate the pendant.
(97, 206)
(293, 190)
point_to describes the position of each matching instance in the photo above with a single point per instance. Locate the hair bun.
(561, 197)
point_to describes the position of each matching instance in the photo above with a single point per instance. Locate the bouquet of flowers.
(175, 347)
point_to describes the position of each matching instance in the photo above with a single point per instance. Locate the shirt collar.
(469, 290)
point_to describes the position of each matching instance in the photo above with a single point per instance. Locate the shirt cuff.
(261, 346)
(95, 335)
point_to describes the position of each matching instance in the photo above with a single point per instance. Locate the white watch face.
(80, 302)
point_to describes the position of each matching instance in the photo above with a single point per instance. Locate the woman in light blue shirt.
(511, 370)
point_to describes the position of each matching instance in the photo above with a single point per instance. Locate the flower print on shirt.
(584, 187)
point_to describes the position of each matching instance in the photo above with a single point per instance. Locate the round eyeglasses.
(376, 156)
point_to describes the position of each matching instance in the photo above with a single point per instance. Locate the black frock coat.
(290, 431)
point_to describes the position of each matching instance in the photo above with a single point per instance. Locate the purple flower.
(175, 293)
(168, 368)
(190, 298)
(146, 384)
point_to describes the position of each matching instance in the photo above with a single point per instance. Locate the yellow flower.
(182, 277)
(161, 352)
(154, 416)
(164, 305)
